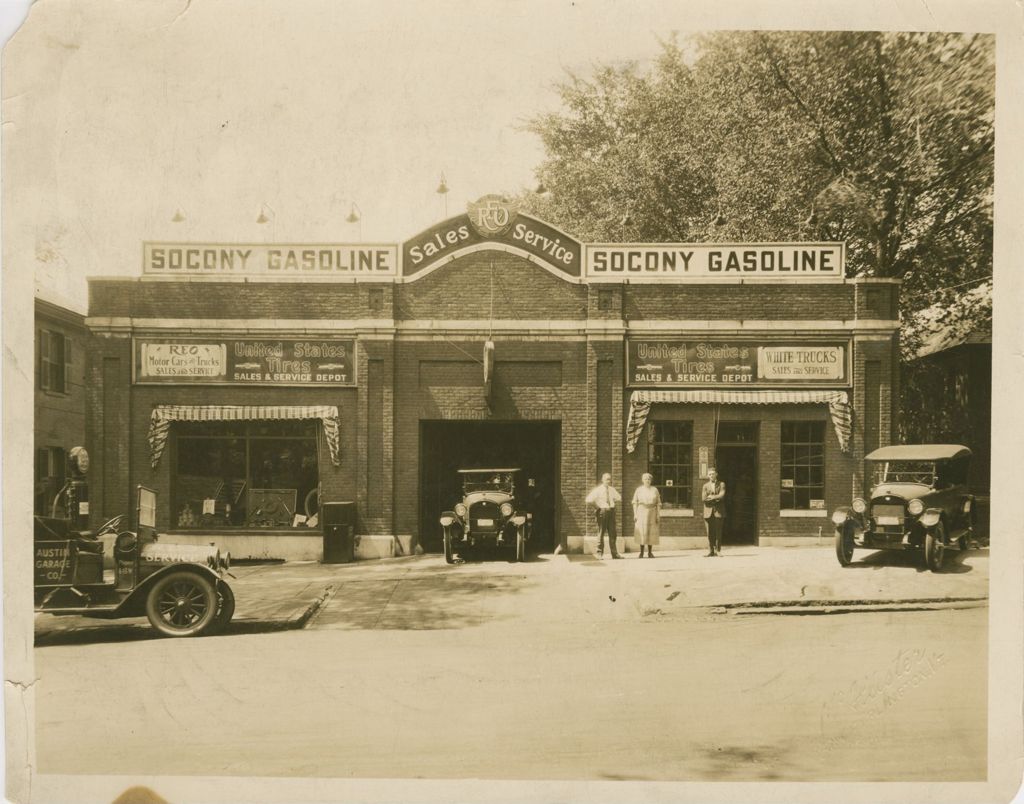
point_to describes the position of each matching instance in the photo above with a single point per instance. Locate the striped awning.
(838, 406)
(163, 415)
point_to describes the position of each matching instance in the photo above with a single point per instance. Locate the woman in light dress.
(646, 514)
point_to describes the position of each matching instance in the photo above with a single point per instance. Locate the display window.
(803, 466)
(244, 474)
(670, 462)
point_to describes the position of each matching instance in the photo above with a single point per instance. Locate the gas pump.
(78, 489)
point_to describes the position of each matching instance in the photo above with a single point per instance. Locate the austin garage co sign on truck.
(678, 363)
(282, 361)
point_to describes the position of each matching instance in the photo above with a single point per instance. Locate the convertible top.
(470, 471)
(918, 452)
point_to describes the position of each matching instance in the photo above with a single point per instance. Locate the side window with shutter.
(44, 360)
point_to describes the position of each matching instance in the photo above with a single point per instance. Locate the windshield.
(487, 481)
(922, 472)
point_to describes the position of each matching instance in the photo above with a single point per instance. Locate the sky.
(119, 114)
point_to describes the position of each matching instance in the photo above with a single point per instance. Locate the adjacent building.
(61, 355)
(247, 384)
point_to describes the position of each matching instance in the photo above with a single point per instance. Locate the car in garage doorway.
(489, 517)
(919, 501)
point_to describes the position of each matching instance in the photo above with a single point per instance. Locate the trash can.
(338, 520)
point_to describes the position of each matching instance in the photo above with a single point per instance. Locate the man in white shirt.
(604, 498)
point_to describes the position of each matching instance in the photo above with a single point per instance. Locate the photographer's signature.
(875, 693)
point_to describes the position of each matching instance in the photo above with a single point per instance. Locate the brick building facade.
(560, 403)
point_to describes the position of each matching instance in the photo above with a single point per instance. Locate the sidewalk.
(283, 596)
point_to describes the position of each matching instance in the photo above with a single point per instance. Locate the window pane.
(802, 463)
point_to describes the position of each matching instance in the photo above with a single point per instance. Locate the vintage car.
(918, 501)
(489, 515)
(180, 588)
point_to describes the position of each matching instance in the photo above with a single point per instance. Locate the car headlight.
(931, 519)
(519, 520)
(447, 521)
(915, 507)
(838, 517)
(506, 509)
(859, 505)
(460, 509)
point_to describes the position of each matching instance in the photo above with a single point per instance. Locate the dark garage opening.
(447, 446)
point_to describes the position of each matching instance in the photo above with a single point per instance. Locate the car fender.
(844, 514)
(135, 603)
(930, 517)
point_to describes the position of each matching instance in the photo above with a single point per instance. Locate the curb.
(859, 609)
(775, 604)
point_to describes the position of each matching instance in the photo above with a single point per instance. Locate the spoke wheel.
(935, 547)
(182, 604)
(449, 556)
(844, 544)
(225, 607)
(521, 543)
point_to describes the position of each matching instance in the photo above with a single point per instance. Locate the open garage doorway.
(447, 446)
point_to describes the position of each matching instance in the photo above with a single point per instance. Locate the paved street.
(559, 668)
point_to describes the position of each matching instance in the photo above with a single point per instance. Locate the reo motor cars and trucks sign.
(653, 363)
(216, 361)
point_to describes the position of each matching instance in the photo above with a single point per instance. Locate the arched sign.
(492, 219)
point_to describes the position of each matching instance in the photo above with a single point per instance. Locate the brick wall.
(462, 289)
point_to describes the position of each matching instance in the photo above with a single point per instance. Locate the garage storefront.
(249, 391)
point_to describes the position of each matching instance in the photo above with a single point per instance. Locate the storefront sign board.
(330, 262)
(233, 361)
(667, 263)
(698, 362)
(492, 220)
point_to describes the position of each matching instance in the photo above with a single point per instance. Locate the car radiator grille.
(484, 511)
(888, 518)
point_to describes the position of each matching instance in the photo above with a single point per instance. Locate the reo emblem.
(492, 214)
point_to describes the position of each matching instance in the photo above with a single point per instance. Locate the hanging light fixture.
(719, 219)
(355, 215)
(541, 189)
(442, 190)
(178, 216)
(266, 214)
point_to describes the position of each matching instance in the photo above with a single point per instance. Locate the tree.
(884, 140)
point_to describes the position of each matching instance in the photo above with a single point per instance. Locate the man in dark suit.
(713, 496)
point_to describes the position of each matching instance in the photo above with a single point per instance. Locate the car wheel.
(449, 555)
(521, 543)
(225, 607)
(935, 547)
(182, 604)
(844, 544)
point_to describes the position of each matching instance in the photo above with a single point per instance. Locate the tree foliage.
(883, 140)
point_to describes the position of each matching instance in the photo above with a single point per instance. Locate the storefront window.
(670, 461)
(243, 474)
(803, 466)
